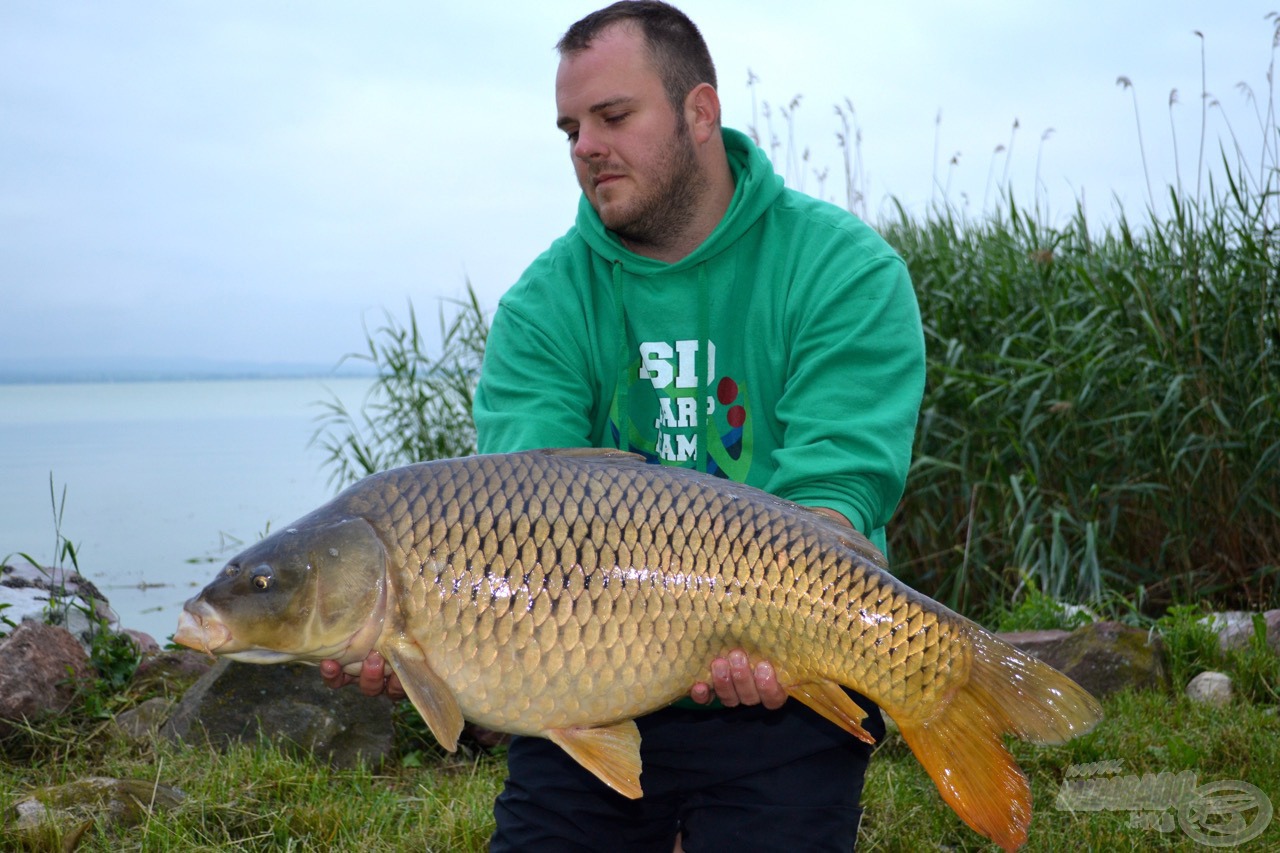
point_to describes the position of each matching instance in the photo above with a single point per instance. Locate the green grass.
(256, 797)
(420, 405)
(1102, 399)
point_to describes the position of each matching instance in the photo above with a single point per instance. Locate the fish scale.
(563, 593)
(661, 564)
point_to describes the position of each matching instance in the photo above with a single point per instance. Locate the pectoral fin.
(428, 693)
(830, 700)
(612, 753)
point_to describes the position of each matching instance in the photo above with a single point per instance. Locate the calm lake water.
(164, 480)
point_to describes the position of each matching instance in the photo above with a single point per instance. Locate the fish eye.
(262, 579)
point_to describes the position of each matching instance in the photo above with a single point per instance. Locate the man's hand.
(832, 514)
(734, 683)
(373, 679)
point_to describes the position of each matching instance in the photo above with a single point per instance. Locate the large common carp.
(563, 593)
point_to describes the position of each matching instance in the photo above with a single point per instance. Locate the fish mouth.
(204, 631)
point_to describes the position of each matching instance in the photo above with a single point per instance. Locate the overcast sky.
(249, 180)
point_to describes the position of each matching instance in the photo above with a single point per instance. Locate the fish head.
(311, 592)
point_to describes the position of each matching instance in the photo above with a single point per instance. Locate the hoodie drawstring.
(703, 404)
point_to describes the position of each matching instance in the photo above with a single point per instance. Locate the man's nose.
(588, 146)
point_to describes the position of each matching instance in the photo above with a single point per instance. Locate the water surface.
(164, 480)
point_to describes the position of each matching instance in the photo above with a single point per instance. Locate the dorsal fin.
(612, 454)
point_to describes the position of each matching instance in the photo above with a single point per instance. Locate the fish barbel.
(563, 593)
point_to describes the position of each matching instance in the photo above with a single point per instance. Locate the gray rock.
(144, 642)
(57, 817)
(144, 721)
(170, 673)
(1212, 688)
(1035, 642)
(1104, 657)
(41, 668)
(1235, 628)
(288, 703)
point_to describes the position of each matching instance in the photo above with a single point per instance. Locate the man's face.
(633, 153)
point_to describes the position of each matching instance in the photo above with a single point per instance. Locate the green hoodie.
(785, 352)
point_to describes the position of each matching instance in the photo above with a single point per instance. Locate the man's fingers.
(331, 674)
(744, 679)
(372, 680)
(771, 693)
(702, 693)
(736, 682)
(722, 682)
(374, 677)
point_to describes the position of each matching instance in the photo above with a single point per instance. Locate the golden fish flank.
(563, 593)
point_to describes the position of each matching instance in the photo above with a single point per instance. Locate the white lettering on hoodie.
(672, 367)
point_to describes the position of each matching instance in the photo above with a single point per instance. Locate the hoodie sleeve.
(855, 378)
(531, 390)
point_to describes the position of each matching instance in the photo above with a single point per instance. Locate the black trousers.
(739, 779)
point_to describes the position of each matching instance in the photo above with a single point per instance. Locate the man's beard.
(661, 216)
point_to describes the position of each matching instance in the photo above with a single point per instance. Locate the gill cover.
(303, 591)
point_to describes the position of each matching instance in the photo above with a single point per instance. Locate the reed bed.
(1101, 414)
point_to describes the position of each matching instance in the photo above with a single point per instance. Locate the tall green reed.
(1101, 411)
(419, 406)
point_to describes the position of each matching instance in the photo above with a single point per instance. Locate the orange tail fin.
(961, 746)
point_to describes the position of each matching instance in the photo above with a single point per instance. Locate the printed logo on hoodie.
(672, 429)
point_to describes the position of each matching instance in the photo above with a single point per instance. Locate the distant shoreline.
(183, 371)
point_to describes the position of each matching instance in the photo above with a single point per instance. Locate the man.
(703, 315)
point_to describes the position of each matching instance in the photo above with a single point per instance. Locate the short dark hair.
(676, 48)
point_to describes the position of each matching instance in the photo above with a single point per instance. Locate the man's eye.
(614, 119)
(572, 137)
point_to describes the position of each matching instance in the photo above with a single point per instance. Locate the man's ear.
(702, 112)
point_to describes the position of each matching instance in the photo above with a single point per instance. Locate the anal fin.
(830, 700)
(428, 692)
(612, 753)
